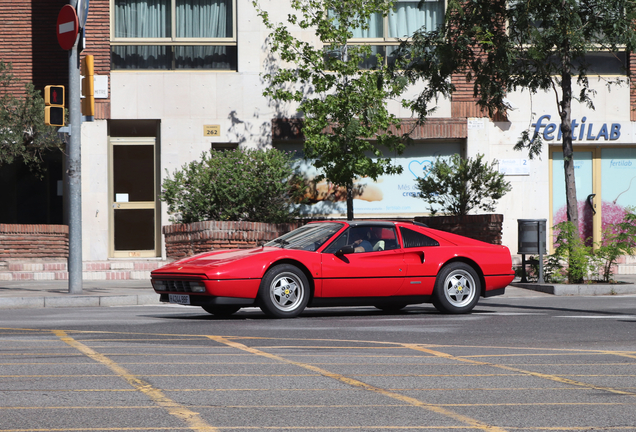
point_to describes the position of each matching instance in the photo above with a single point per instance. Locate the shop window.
(174, 34)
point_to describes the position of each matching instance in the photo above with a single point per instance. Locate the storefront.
(605, 169)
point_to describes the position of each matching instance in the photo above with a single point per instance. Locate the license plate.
(179, 299)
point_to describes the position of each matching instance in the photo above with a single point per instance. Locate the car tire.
(221, 310)
(284, 291)
(391, 308)
(457, 289)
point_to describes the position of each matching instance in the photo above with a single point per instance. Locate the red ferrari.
(384, 264)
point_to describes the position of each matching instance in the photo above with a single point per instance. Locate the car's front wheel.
(284, 291)
(221, 310)
(457, 289)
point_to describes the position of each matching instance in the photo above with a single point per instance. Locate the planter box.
(487, 227)
(20, 241)
(183, 240)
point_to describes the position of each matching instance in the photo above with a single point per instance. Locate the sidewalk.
(54, 293)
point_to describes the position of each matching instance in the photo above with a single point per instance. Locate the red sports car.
(384, 264)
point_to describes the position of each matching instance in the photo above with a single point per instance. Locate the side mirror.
(345, 250)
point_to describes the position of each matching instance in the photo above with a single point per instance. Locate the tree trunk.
(568, 161)
(350, 201)
(568, 151)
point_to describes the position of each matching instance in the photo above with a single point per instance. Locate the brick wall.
(487, 228)
(183, 240)
(28, 40)
(449, 128)
(463, 103)
(33, 241)
(98, 44)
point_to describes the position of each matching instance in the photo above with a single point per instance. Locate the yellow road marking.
(191, 418)
(364, 428)
(515, 369)
(359, 384)
(278, 406)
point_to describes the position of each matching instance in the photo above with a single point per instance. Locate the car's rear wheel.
(284, 291)
(391, 308)
(221, 310)
(457, 289)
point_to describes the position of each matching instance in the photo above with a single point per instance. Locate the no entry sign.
(67, 27)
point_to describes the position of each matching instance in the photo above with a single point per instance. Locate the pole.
(541, 246)
(74, 171)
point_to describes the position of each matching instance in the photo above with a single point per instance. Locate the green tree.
(460, 185)
(23, 134)
(237, 185)
(536, 45)
(346, 124)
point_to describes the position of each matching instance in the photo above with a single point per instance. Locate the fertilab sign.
(586, 131)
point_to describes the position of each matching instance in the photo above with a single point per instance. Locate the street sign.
(82, 12)
(67, 27)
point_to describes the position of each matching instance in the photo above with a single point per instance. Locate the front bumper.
(206, 300)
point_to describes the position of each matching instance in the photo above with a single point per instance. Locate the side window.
(338, 244)
(414, 239)
(366, 239)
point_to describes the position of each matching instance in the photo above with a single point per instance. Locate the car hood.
(228, 263)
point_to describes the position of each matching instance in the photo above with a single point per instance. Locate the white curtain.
(142, 18)
(194, 19)
(407, 17)
(374, 30)
(204, 18)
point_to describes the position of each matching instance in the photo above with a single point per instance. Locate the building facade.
(175, 78)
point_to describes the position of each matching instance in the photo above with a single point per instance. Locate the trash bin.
(531, 235)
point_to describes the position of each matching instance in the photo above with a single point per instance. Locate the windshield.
(309, 237)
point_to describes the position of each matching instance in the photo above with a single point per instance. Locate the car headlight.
(197, 287)
(159, 285)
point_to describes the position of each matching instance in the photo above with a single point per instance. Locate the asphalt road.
(540, 363)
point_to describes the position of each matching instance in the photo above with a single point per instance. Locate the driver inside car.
(359, 240)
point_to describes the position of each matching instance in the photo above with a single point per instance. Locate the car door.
(376, 272)
(422, 260)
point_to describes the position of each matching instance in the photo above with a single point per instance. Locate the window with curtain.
(384, 33)
(173, 34)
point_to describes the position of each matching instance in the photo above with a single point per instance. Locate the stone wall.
(183, 240)
(33, 241)
(487, 228)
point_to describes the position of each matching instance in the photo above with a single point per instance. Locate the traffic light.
(88, 87)
(54, 105)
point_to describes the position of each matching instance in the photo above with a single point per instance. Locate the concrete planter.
(487, 227)
(580, 289)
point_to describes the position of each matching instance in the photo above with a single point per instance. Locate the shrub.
(460, 185)
(575, 262)
(571, 249)
(237, 185)
(618, 239)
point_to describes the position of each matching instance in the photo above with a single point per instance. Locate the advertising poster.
(618, 188)
(389, 194)
(583, 175)
(618, 183)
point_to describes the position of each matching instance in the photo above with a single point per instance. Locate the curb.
(579, 290)
(78, 301)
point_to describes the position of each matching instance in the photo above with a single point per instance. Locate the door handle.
(590, 203)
